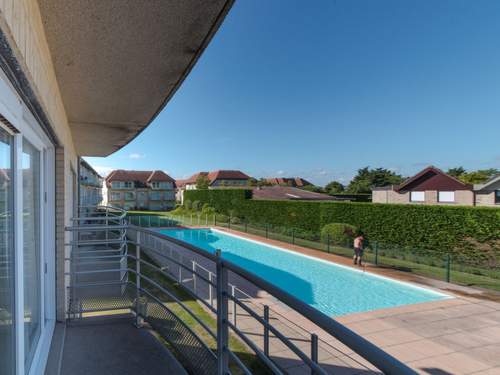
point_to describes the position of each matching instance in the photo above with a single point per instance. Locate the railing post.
(266, 330)
(210, 296)
(246, 227)
(206, 220)
(448, 266)
(215, 220)
(191, 219)
(293, 236)
(222, 317)
(233, 294)
(328, 242)
(376, 253)
(267, 231)
(314, 349)
(194, 276)
(149, 221)
(138, 320)
(229, 223)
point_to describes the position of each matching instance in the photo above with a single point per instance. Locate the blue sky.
(322, 89)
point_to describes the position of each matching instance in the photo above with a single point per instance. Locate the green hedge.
(441, 228)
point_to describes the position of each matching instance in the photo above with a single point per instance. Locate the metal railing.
(118, 266)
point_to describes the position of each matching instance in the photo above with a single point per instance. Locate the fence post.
(215, 220)
(376, 253)
(138, 320)
(267, 231)
(229, 223)
(314, 349)
(266, 330)
(222, 317)
(149, 221)
(210, 297)
(191, 219)
(206, 220)
(328, 242)
(246, 226)
(448, 265)
(293, 236)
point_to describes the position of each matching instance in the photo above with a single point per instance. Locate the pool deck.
(460, 335)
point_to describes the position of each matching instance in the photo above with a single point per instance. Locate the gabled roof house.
(288, 181)
(429, 186)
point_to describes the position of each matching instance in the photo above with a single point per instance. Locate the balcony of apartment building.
(140, 302)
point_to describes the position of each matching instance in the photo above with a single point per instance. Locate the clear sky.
(319, 89)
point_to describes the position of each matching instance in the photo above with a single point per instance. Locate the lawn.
(236, 346)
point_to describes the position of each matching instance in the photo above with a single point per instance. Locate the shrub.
(444, 229)
(188, 205)
(338, 233)
(207, 210)
(196, 205)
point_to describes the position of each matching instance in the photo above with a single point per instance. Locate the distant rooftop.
(288, 193)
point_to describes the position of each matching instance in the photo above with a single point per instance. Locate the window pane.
(446, 196)
(7, 340)
(31, 247)
(417, 196)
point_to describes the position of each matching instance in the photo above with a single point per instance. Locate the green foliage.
(338, 233)
(334, 187)
(367, 178)
(473, 177)
(441, 228)
(456, 172)
(313, 188)
(197, 205)
(188, 205)
(202, 182)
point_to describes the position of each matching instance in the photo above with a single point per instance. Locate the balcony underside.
(118, 63)
(108, 346)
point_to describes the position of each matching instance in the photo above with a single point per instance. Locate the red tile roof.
(140, 176)
(288, 193)
(290, 181)
(214, 175)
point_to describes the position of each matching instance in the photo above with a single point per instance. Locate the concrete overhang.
(119, 62)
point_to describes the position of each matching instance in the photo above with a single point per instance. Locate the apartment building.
(76, 79)
(90, 188)
(141, 190)
(433, 186)
(216, 180)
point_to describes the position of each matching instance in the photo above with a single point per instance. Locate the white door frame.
(14, 110)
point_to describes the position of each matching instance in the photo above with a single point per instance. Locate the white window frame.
(449, 197)
(421, 194)
(14, 110)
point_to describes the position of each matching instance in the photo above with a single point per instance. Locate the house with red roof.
(429, 186)
(142, 190)
(297, 182)
(222, 178)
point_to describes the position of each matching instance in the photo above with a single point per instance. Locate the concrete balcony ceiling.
(119, 62)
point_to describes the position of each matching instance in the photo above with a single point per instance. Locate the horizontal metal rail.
(372, 353)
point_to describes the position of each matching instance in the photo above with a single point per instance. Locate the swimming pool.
(331, 288)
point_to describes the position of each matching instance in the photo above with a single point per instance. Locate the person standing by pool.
(358, 249)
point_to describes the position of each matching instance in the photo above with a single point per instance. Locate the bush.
(207, 210)
(188, 205)
(196, 205)
(338, 233)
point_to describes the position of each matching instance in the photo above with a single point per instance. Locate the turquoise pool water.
(333, 289)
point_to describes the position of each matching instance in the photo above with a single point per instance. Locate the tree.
(313, 188)
(202, 182)
(479, 176)
(367, 178)
(456, 172)
(334, 187)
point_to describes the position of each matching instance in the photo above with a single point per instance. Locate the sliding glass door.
(31, 249)
(7, 288)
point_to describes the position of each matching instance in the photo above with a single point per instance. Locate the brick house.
(488, 193)
(429, 186)
(143, 190)
(217, 179)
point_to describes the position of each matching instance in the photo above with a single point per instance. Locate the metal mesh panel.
(93, 298)
(197, 356)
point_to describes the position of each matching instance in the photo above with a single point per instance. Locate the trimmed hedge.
(443, 228)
